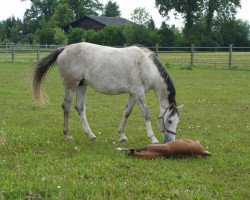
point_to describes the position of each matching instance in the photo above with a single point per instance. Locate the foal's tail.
(39, 72)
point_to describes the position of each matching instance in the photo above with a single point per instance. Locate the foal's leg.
(129, 106)
(141, 101)
(145, 155)
(66, 107)
(80, 108)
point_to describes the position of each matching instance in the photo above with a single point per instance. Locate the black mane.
(164, 74)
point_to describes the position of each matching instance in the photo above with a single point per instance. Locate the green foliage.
(207, 23)
(37, 159)
(42, 9)
(45, 32)
(188, 9)
(112, 9)
(84, 7)
(167, 35)
(60, 37)
(235, 32)
(111, 35)
(76, 35)
(140, 16)
(63, 15)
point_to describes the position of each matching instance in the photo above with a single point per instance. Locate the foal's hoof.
(131, 152)
(93, 139)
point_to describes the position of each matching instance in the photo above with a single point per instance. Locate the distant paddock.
(217, 57)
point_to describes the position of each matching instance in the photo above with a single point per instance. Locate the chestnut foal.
(175, 148)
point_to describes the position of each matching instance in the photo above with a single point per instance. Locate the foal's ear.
(179, 108)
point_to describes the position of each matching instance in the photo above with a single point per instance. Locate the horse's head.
(168, 122)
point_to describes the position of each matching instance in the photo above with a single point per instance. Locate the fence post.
(37, 53)
(192, 55)
(12, 53)
(230, 55)
(157, 49)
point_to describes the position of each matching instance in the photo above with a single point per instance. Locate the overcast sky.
(17, 8)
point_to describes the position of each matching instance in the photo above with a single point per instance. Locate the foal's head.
(168, 122)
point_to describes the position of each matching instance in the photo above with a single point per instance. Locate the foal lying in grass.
(175, 148)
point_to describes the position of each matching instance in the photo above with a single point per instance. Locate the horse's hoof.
(155, 141)
(69, 137)
(123, 140)
(93, 139)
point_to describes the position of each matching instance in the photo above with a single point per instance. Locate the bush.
(76, 35)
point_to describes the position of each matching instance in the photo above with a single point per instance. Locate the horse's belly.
(111, 88)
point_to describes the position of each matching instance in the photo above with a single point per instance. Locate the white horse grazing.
(133, 70)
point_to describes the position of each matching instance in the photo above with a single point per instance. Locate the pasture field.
(37, 162)
(215, 59)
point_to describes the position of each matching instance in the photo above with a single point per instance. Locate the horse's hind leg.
(66, 107)
(129, 106)
(80, 108)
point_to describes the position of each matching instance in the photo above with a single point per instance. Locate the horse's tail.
(39, 72)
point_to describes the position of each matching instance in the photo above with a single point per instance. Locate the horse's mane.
(163, 72)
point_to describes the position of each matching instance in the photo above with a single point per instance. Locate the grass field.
(36, 159)
(215, 59)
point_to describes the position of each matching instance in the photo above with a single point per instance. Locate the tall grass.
(37, 161)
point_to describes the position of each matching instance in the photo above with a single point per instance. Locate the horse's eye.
(169, 121)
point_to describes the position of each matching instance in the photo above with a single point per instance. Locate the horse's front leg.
(129, 106)
(80, 108)
(141, 101)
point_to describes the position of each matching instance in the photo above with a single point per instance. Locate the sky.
(17, 8)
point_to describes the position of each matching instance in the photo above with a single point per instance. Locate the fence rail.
(228, 57)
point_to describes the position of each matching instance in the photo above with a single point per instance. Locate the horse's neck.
(164, 87)
(162, 94)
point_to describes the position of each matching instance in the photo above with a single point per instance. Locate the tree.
(41, 9)
(140, 16)
(187, 8)
(12, 28)
(223, 8)
(1, 32)
(167, 35)
(63, 15)
(139, 34)
(84, 7)
(76, 35)
(151, 24)
(234, 32)
(60, 37)
(112, 9)
(45, 32)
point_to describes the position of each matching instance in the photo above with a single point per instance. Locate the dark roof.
(103, 20)
(109, 20)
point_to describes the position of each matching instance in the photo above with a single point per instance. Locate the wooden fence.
(229, 57)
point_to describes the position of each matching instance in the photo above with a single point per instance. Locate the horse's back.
(108, 70)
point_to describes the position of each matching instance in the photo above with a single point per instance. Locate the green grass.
(240, 60)
(36, 158)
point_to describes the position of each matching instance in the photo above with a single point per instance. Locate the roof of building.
(105, 20)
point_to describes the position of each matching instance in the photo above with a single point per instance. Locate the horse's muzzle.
(167, 137)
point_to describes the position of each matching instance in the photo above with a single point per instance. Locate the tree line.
(206, 23)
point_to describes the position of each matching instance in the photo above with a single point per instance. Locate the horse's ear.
(179, 108)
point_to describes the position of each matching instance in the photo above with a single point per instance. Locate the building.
(96, 22)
